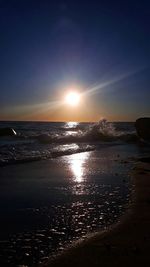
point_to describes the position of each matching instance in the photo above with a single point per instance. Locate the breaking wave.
(101, 131)
(40, 141)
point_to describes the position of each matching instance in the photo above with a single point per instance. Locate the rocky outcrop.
(142, 126)
(7, 132)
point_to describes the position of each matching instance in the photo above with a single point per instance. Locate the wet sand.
(124, 244)
(53, 202)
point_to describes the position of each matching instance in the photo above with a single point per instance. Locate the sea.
(60, 182)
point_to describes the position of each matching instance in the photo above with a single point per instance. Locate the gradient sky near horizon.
(99, 48)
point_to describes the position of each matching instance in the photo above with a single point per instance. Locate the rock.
(142, 126)
(7, 132)
(144, 159)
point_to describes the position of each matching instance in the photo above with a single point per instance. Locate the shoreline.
(126, 243)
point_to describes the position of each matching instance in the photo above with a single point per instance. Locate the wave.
(34, 147)
(30, 156)
(100, 131)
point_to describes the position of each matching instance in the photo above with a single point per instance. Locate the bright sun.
(72, 98)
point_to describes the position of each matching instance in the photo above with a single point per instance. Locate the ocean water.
(59, 183)
(42, 140)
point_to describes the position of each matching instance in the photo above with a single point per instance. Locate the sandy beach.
(53, 203)
(127, 243)
(74, 133)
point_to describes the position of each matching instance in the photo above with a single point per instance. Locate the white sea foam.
(37, 140)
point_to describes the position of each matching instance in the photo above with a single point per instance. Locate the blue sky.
(47, 47)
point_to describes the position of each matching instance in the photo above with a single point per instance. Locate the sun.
(72, 98)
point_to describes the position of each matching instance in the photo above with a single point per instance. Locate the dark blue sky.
(48, 46)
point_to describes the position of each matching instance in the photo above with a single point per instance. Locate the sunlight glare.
(72, 98)
(78, 165)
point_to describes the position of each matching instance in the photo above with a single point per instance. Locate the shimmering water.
(42, 140)
(47, 204)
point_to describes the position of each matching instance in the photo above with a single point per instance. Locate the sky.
(101, 49)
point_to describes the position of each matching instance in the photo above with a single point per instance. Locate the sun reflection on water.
(71, 124)
(77, 164)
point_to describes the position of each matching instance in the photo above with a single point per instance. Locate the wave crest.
(102, 130)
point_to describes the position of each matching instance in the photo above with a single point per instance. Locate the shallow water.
(47, 204)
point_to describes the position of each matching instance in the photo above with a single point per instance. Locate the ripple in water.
(81, 201)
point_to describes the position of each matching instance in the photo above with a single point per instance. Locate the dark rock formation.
(142, 126)
(7, 132)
